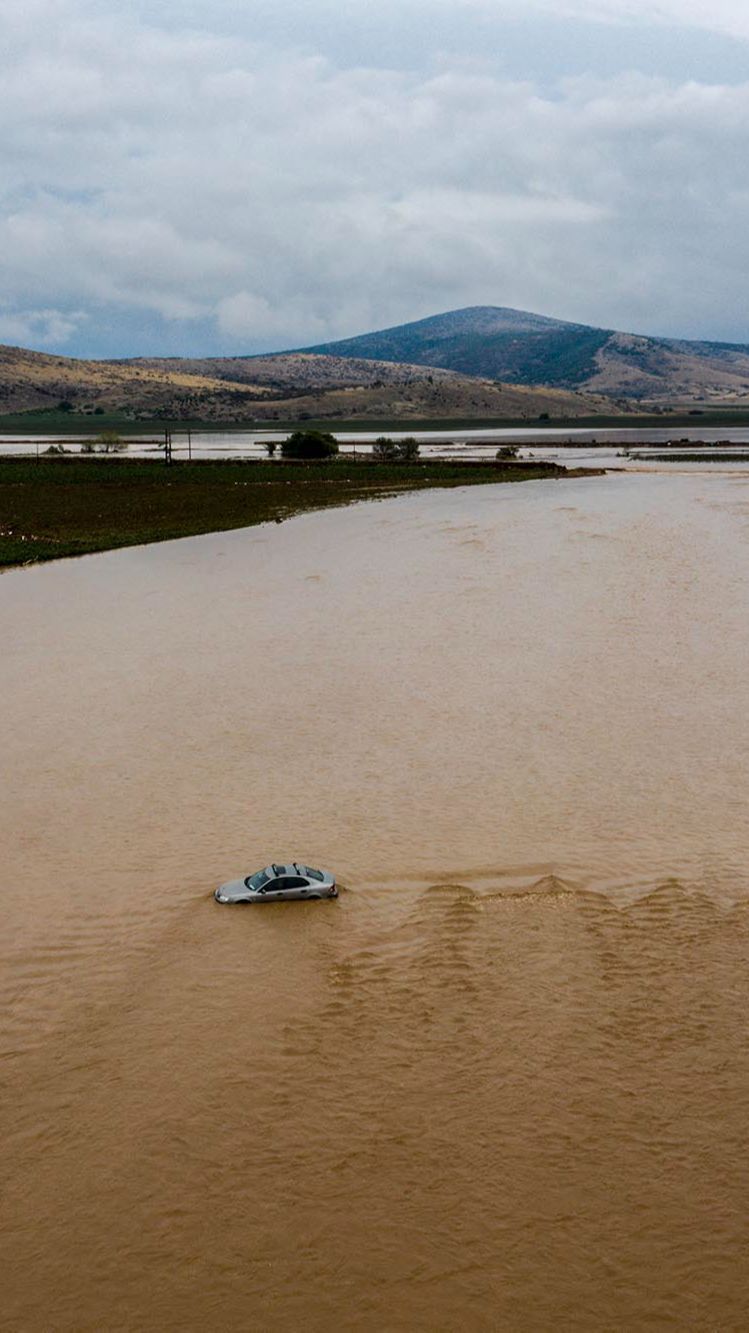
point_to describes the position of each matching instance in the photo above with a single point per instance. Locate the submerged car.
(277, 884)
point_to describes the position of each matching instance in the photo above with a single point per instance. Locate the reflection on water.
(502, 1082)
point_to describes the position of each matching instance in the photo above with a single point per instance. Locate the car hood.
(234, 888)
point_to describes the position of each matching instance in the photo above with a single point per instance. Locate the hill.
(285, 387)
(37, 381)
(482, 362)
(522, 348)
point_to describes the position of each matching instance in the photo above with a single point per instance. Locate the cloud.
(721, 16)
(40, 328)
(230, 193)
(246, 315)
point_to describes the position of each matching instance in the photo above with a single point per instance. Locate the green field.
(57, 507)
(57, 423)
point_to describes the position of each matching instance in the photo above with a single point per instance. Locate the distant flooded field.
(503, 1082)
(569, 445)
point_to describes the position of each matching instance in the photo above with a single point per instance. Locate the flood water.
(503, 1082)
(568, 445)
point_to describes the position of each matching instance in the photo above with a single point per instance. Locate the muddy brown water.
(503, 1082)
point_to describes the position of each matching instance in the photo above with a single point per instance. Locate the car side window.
(273, 886)
(292, 882)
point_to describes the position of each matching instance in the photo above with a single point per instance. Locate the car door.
(273, 891)
(293, 886)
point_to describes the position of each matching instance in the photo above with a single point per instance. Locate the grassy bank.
(71, 506)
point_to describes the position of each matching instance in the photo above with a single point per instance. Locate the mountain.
(522, 348)
(285, 387)
(482, 362)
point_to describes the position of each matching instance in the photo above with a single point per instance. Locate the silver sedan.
(277, 884)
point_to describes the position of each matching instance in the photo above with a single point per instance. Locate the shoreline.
(59, 507)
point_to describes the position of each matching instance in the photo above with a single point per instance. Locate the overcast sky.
(242, 175)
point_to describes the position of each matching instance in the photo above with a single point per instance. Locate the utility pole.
(189, 444)
(167, 445)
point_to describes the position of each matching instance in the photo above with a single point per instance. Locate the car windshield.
(313, 874)
(258, 880)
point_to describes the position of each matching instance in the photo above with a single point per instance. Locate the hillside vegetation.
(522, 348)
(284, 388)
(30, 381)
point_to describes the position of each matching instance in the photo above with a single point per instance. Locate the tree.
(383, 449)
(386, 450)
(507, 451)
(110, 442)
(408, 450)
(270, 447)
(309, 444)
